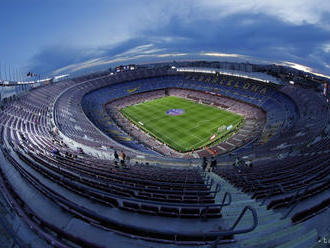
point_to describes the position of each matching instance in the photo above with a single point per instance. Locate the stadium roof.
(251, 75)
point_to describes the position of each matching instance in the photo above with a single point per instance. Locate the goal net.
(222, 128)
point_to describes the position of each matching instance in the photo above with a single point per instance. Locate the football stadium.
(165, 156)
(187, 153)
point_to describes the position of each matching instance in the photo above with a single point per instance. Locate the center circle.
(175, 112)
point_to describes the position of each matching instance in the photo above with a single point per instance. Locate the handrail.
(232, 231)
(204, 213)
(217, 189)
(206, 209)
(191, 234)
(87, 212)
(255, 220)
(227, 194)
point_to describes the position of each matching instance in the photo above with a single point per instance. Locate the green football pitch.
(198, 125)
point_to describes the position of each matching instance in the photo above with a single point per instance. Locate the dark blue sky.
(67, 36)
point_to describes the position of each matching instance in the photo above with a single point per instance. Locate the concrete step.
(304, 241)
(271, 230)
(276, 237)
(110, 239)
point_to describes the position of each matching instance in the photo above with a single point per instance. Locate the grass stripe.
(191, 130)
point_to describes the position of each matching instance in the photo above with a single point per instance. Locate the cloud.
(326, 48)
(298, 12)
(216, 54)
(142, 49)
(171, 55)
(110, 57)
(145, 30)
(303, 68)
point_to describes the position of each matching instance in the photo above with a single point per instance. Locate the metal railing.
(204, 212)
(85, 212)
(232, 231)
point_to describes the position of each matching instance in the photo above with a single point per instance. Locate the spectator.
(56, 153)
(22, 136)
(116, 155)
(204, 163)
(213, 163)
(237, 162)
(123, 155)
(249, 163)
(122, 163)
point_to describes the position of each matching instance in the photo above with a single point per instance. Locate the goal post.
(222, 128)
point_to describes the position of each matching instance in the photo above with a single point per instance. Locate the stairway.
(271, 232)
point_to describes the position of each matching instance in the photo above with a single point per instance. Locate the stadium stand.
(63, 186)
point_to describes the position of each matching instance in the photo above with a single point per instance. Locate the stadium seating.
(59, 176)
